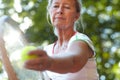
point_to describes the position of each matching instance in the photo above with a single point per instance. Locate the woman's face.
(63, 13)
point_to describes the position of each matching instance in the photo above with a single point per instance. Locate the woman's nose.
(60, 10)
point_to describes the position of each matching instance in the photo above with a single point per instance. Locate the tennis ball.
(24, 53)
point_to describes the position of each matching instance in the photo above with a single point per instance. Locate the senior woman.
(71, 57)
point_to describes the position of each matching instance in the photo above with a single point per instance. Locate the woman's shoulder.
(79, 36)
(82, 37)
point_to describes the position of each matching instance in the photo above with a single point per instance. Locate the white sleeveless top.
(88, 72)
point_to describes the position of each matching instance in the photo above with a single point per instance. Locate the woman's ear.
(77, 17)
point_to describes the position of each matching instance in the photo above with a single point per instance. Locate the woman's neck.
(64, 36)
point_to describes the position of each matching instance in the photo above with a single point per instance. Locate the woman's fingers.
(40, 64)
(37, 52)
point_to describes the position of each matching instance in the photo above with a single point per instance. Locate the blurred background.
(101, 22)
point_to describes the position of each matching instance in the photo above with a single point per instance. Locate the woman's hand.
(41, 63)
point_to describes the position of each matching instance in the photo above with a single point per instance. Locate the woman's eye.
(55, 6)
(67, 7)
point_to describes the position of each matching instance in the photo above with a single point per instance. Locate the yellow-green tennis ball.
(24, 53)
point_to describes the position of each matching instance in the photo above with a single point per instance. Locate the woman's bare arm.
(72, 60)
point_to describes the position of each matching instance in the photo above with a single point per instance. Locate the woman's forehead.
(70, 2)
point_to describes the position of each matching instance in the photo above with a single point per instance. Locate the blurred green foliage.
(101, 20)
(1, 66)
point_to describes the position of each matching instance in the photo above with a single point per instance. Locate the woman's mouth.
(60, 18)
